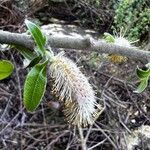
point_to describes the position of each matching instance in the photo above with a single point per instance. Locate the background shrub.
(134, 17)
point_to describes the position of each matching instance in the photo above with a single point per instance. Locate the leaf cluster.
(35, 83)
(134, 17)
(143, 75)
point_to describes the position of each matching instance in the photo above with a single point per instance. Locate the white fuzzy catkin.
(121, 41)
(73, 88)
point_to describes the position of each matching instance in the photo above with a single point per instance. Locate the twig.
(99, 143)
(48, 147)
(83, 141)
(1, 132)
(69, 42)
(6, 108)
(101, 130)
(20, 96)
(44, 120)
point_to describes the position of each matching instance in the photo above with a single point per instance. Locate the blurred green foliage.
(134, 17)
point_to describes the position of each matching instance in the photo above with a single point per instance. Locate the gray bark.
(69, 42)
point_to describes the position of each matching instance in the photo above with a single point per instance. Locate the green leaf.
(142, 73)
(109, 38)
(142, 86)
(27, 53)
(36, 33)
(6, 69)
(34, 87)
(35, 61)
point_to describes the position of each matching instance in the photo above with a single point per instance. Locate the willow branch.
(69, 42)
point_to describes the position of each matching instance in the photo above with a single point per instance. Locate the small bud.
(120, 41)
(55, 105)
